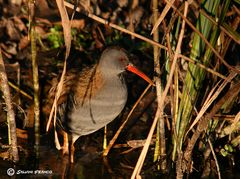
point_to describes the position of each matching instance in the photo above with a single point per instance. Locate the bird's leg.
(65, 147)
(72, 150)
(72, 140)
(69, 149)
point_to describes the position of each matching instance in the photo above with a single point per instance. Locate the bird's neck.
(108, 72)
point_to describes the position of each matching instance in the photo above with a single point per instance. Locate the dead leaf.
(19, 24)
(9, 47)
(11, 31)
(24, 42)
(5, 155)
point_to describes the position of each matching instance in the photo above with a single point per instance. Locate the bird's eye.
(123, 61)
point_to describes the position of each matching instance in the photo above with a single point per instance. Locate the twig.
(10, 113)
(163, 14)
(215, 158)
(20, 91)
(160, 147)
(35, 77)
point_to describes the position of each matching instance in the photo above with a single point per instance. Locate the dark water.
(51, 164)
(88, 164)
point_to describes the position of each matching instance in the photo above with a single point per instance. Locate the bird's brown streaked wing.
(89, 82)
(83, 85)
(68, 85)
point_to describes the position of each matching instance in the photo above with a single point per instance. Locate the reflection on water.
(51, 164)
(88, 164)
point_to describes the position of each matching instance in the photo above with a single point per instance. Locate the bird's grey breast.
(99, 110)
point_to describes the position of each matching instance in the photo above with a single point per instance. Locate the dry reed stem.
(36, 107)
(20, 91)
(36, 89)
(160, 146)
(215, 159)
(10, 113)
(162, 16)
(67, 39)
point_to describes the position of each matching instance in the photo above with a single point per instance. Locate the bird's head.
(114, 61)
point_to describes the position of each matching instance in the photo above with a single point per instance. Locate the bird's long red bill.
(133, 69)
